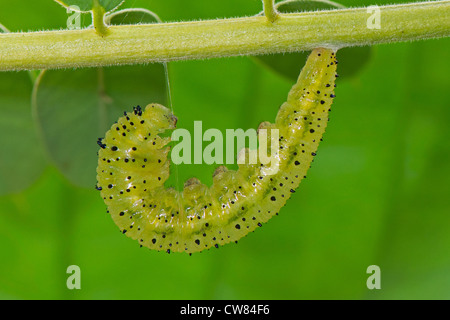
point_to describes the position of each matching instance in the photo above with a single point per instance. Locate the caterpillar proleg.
(133, 165)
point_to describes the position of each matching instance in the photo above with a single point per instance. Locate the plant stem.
(98, 17)
(222, 38)
(269, 10)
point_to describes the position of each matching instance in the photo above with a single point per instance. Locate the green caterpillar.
(133, 165)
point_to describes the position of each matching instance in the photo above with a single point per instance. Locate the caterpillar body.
(133, 166)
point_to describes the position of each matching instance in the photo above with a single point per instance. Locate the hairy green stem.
(98, 17)
(223, 38)
(269, 10)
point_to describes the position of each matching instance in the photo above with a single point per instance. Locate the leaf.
(22, 159)
(87, 5)
(132, 16)
(351, 60)
(76, 107)
(292, 6)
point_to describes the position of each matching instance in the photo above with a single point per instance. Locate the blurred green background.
(377, 193)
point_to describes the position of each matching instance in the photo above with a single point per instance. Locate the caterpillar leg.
(133, 165)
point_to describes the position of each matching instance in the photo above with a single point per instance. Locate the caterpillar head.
(160, 117)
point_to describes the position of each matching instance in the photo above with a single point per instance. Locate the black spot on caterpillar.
(133, 166)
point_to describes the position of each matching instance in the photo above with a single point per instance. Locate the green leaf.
(76, 107)
(21, 159)
(351, 60)
(88, 5)
(292, 6)
(132, 16)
